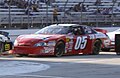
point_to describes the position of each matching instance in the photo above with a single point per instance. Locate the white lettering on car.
(92, 36)
(81, 43)
(100, 35)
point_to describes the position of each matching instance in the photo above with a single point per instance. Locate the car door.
(88, 37)
(80, 40)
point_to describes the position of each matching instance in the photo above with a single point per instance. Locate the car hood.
(3, 38)
(111, 35)
(34, 38)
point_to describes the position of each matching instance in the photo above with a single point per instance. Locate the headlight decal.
(40, 44)
(50, 43)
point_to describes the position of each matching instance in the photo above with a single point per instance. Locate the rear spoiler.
(101, 30)
(4, 33)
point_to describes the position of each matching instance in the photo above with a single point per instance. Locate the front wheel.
(59, 49)
(96, 47)
(1, 47)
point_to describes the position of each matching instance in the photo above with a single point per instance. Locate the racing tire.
(96, 47)
(59, 49)
(118, 53)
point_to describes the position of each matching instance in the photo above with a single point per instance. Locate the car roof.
(67, 25)
(118, 30)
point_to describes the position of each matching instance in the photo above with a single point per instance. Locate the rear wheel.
(59, 49)
(96, 47)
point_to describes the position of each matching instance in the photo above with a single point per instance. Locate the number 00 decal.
(81, 42)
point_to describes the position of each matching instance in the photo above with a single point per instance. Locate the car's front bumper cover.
(33, 50)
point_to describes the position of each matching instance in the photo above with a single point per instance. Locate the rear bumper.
(110, 47)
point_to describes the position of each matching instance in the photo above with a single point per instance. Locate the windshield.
(53, 30)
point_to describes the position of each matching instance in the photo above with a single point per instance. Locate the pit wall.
(14, 33)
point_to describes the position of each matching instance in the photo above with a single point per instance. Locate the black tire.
(59, 49)
(96, 47)
(118, 53)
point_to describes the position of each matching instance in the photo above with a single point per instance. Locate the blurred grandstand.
(23, 14)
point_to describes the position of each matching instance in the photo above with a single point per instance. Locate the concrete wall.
(14, 33)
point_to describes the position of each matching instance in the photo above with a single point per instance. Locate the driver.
(77, 31)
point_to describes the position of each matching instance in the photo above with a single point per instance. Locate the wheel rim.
(59, 50)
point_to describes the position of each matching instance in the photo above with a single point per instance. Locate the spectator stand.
(109, 12)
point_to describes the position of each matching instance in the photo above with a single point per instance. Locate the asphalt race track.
(105, 65)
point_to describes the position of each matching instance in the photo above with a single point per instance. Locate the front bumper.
(32, 50)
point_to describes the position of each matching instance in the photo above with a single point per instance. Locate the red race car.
(61, 39)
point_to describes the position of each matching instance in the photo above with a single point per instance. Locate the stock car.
(111, 35)
(61, 39)
(5, 43)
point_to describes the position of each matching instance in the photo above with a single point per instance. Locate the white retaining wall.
(14, 33)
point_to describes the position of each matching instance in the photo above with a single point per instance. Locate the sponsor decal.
(100, 35)
(69, 44)
(48, 49)
(81, 43)
(67, 39)
(91, 36)
(7, 47)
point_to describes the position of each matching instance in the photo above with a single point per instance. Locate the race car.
(106, 48)
(61, 39)
(5, 43)
(111, 35)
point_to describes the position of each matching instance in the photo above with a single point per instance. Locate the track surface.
(105, 65)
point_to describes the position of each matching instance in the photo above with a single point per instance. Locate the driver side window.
(77, 31)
